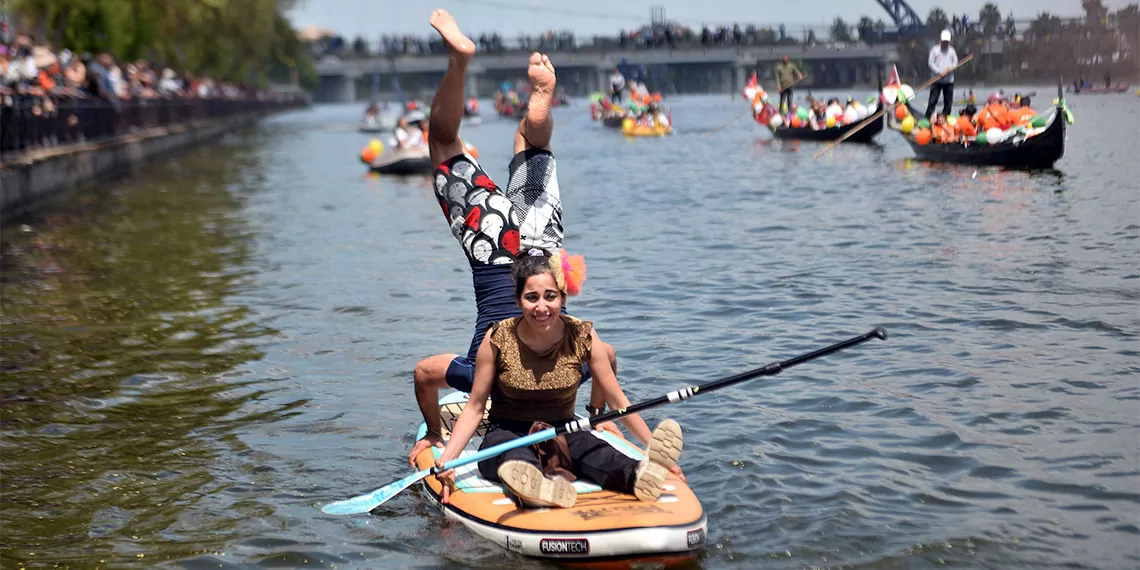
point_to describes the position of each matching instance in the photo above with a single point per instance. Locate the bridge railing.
(31, 123)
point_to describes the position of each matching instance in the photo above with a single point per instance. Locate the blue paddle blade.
(367, 502)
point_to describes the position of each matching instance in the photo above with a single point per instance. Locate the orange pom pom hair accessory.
(569, 272)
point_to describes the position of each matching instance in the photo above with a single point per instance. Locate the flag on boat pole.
(891, 89)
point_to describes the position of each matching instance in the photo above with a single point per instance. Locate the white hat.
(945, 35)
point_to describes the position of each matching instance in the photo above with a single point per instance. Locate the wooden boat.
(382, 123)
(510, 111)
(865, 135)
(403, 161)
(630, 128)
(1041, 150)
(602, 527)
(613, 121)
(1102, 90)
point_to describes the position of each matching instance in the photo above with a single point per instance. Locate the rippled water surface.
(195, 358)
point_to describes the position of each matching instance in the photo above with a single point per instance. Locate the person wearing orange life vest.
(966, 128)
(1020, 113)
(942, 131)
(994, 114)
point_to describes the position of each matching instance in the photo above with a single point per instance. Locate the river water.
(197, 357)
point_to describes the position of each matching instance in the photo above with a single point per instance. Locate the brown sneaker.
(664, 451)
(533, 488)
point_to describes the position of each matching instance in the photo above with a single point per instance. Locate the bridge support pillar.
(349, 94)
(603, 84)
(738, 85)
(472, 84)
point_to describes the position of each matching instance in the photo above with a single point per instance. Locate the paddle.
(745, 114)
(368, 501)
(878, 114)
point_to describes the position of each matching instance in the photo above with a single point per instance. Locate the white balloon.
(907, 91)
(890, 94)
(995, 135)
(776, 121)
(851, 115)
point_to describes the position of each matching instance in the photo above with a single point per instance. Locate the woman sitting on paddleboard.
(531, 366)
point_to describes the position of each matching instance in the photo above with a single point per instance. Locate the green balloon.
(981, 138)
(802, 113)
(1039, 121)
(923, 124)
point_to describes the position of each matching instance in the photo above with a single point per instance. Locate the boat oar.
(878, 114)
(368, 501)
(728, 122)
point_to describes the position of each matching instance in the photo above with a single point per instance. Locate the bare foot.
(458, 45)
(542, 80)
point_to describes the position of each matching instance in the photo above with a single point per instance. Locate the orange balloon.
(901, 112)
(922, 136)
(474, 152)
(796, 122)
(368, 155)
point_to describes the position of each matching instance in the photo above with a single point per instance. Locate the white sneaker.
(535, 489)
(664, 451)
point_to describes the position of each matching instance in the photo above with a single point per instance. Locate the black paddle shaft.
(686, 393)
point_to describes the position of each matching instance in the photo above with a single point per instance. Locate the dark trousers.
(615, 97)
(785, 94)
(946, 90)
(593, 459)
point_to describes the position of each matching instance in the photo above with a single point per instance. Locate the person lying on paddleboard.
(532, 366)
(492, 224)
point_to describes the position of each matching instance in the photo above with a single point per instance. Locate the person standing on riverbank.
(786, 73)
(942, 59)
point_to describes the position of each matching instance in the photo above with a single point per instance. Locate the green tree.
(840, 31)
(937, 21)
(866, 28)
(360, 47)
(233, 40)
(990, 19)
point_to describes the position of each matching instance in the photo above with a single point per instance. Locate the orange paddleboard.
(602, 526)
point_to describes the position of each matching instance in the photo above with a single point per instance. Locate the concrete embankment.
(29, 179)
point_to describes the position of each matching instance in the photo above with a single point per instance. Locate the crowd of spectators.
(647, 37)
(50, 97)
(413, 45)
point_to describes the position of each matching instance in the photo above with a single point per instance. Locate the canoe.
(602, 526)
(631, 129)
(1102, 90)
(406, 161)
(865, 135)
(1041, 150)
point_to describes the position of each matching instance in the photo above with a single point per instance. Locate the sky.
(371, 18)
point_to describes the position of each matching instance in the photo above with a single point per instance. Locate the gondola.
(865, 135)
(1041, 150)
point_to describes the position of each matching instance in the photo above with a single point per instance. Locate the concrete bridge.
(693, 70)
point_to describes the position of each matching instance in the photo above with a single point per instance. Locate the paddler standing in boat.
(942, 58)
(617, 84)
(491, 224)
(786, 73)
(532, 366)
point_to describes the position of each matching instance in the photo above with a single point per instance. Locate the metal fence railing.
(29, 123)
